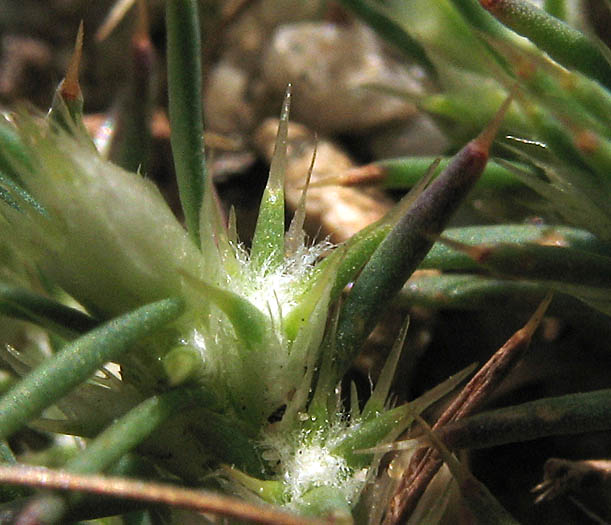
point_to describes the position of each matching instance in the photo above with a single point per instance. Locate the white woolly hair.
(268, 286)
(305, 461)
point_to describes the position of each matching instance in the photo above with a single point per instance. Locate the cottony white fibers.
(313, 466)
(306, 462)
(278, 287)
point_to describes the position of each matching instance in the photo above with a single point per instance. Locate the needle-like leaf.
(409, 241)
(23, 304)
(564, 44)
(268, 240)
(185, 107)
(77, 361)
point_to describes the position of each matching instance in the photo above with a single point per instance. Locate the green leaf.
(375, 404)
(130, 430)
(399, 254)
(317, 291)
(268, 239)
(459, 291)
(185, 107)
(357, 250)
(249, 323)
(22, 304)
(77, 361)
(131, 133)
(557, 8)
(443, 257)
(13, 153)
(390, 31)
(553, 416)
(67, 105)
(566, 45)
(552, 264)
(372, 433)
(404, 172)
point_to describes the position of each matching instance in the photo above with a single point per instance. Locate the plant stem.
(198, 500)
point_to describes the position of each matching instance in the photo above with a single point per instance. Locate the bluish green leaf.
(77, 361)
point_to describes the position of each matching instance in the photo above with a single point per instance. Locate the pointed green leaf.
(444, 257)
(212, 231)
(16, 197)
(268, 239)
(112, 444)
(318, 290)
(326, 501)
(371, 433)
(357, 250)
(404, 172)
(478, 18)
(131, 140)
(295, 236)
(249, 323)
(390, 31)
(475, 292)
(271, 491)
(553, 264)
(403, 249)
(67, 105)
(185, 107)
(375, 404)
(13, 153)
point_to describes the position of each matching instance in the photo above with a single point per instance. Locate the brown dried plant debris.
(426, 462)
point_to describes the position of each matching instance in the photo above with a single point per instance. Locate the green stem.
(185, 107)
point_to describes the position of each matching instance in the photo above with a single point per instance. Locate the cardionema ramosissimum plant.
(230, 359)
